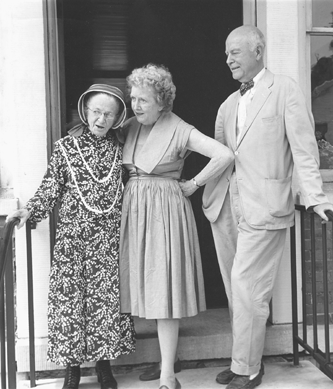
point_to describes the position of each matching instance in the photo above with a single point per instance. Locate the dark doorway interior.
(105, 39)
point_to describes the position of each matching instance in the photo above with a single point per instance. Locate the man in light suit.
(250, 206)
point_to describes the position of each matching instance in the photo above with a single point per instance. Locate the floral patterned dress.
(84, 320)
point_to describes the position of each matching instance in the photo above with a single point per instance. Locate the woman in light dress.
(160, 265)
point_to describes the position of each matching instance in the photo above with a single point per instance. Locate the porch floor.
(278, 375)
(205, 350)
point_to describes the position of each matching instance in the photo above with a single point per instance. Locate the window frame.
(327, 174)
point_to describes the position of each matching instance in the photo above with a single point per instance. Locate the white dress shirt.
(244, 101)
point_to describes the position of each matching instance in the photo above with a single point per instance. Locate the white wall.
(23, 156)
(283, 23)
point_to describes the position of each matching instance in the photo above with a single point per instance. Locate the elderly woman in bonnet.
(160, 264)
(85, 177)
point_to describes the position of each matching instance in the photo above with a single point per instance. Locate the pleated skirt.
(160, 264)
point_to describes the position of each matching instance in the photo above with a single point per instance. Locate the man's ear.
(259, 52)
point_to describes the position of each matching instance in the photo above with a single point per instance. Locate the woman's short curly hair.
(159, 79)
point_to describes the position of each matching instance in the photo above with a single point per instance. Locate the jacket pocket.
(272, 120)
(279, 197)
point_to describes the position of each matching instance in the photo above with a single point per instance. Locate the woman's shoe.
(154, 372)
(72, 377)
(178, 386)
(105, 376)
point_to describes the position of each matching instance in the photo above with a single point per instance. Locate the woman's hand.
(23, 214)
(188, 187)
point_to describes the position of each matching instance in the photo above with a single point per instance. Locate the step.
(279, 374)
(202, 337)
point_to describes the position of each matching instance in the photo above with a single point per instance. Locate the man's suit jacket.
(278, 135)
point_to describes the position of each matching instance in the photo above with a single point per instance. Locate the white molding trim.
(249, 12)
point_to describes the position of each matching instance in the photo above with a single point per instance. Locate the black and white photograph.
(166, 194)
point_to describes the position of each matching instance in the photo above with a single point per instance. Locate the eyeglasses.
(97, 113)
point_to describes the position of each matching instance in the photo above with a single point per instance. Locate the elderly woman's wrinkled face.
(144, 105)
(102, 112)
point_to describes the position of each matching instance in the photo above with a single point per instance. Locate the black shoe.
(72, 377)
(244, 382)
(226, 376)
(105, 376)
(154, 372)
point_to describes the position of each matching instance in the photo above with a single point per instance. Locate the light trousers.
(249, 259)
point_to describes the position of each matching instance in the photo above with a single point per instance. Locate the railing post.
(30, 226)
(5, 253)
(10, 321)
(294, 293)
(3, 337)
(326, 294)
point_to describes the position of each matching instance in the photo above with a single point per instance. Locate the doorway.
(104, 40)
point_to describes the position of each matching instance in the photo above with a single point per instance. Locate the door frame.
(54, 87)
(55, 77)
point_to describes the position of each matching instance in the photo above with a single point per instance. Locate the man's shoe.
(105, 376)
(72, 377)
(244, 382)
(226, 376)
(154, 372)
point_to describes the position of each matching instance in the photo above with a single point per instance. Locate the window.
(320, 30)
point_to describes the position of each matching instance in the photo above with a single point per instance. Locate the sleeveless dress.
(84, 320)
(160, 264)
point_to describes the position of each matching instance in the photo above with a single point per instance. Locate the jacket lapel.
(261, 95)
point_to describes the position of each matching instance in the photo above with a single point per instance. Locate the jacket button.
(236, 152)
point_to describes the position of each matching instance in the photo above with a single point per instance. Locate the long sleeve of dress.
(50, 189)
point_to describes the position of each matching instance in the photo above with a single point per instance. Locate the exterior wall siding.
(23, 153)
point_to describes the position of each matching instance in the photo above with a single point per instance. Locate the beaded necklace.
(105, 179)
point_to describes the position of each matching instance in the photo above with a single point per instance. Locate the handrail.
(5, 244)
(322, 357)
(6, 274)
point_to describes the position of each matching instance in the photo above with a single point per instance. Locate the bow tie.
(245, 86)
